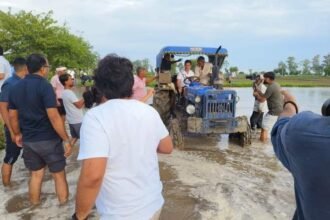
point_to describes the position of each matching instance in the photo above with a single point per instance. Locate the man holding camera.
(274, 101)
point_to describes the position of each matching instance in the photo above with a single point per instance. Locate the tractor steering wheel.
(191, 79)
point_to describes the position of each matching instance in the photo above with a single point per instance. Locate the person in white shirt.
(183, 78)
(259, 107)
(73, 107)
(203, 70)
(5, 69)
(119, 141)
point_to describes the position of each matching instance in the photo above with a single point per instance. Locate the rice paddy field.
(285, 81)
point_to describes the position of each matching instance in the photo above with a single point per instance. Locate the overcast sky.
(257, 33)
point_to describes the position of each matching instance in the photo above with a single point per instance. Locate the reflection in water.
(212, 179)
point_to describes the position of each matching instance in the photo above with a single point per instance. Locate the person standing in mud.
(301, 142)
(259, 107)
(12, 150)
(119, 142)
(274, 102)
(38, 128)
(73, 107)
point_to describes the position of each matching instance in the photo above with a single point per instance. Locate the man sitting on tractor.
(203, 70)
(183, 78)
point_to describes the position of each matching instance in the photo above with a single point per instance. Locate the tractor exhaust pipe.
(215, 69)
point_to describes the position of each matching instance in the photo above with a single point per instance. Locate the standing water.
(211, 179)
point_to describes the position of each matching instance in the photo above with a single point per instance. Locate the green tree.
(142, 63)
(326, 65)
(282, 68)
(233, 69)
(316, 65)
(292, 66)
(306, 67)
(24, 33)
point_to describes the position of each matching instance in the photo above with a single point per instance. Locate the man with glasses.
(38, 128)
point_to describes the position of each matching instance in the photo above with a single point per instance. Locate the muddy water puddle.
(234, 182)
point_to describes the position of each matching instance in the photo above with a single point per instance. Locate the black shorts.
(39, 154)
(12, 150)
(61, 108)
(75, 130)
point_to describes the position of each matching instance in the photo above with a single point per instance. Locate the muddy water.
(211, 179)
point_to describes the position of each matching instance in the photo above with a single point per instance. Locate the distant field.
(286, 81)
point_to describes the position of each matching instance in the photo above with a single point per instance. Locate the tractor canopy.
(186, 51)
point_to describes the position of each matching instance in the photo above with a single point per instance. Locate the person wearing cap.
(59, 88)
(259, 107)
(274, 102)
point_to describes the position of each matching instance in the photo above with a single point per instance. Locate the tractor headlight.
(190, 109)
(197, 99)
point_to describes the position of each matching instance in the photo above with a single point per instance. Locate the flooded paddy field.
(212, 179)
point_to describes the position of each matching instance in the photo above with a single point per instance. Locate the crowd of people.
(120, 138)
(118, 146)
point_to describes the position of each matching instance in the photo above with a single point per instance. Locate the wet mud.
(212, 178)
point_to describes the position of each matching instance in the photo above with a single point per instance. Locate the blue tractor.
(205, 109)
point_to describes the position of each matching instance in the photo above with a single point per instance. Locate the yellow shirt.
(204, 74)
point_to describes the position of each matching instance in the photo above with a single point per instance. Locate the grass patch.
(286, 81)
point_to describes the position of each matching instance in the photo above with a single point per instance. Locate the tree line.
(23, 33)
(305, 67)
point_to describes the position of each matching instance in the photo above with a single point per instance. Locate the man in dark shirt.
(167, 63)
(38, 127)
(12, 150)
(274, 102)
(302, 143)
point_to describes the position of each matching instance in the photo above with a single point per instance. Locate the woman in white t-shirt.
(183, 78)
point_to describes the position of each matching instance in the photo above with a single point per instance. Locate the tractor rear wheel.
(162, 103)
(176, 134)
